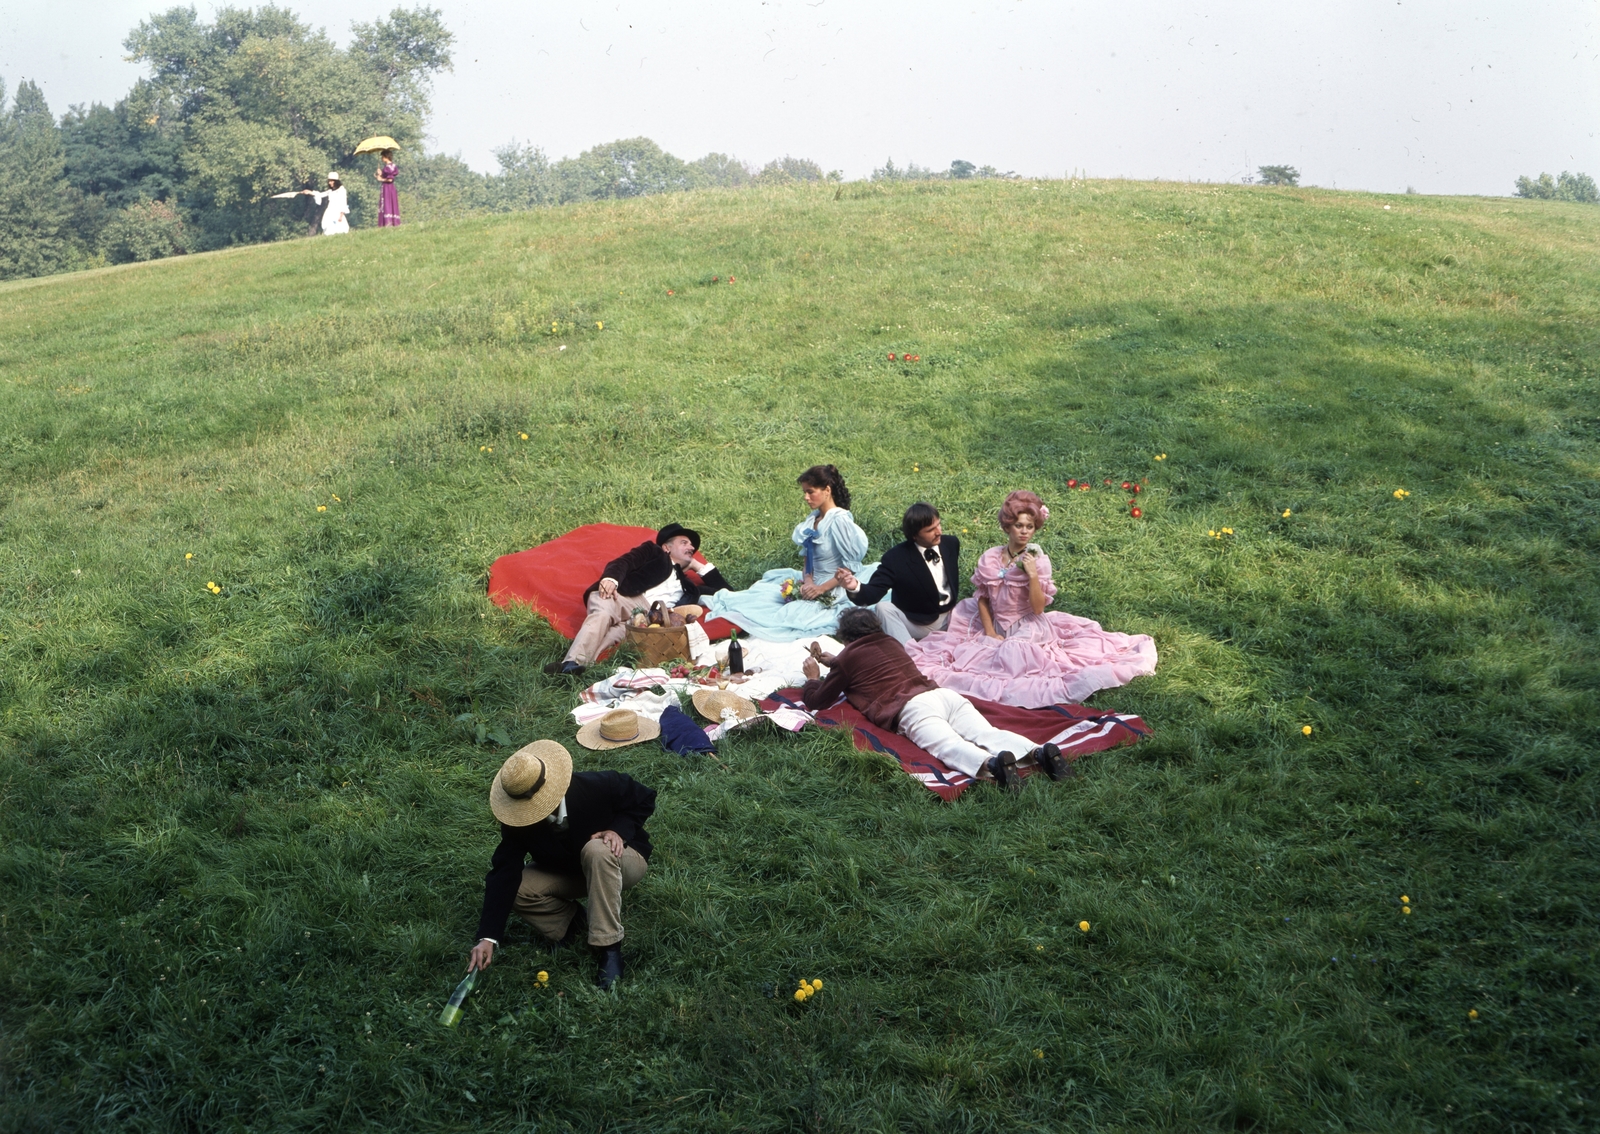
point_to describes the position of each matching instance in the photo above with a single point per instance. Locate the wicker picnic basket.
(658, 645)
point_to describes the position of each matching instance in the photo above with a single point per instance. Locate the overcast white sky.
(1449, 96)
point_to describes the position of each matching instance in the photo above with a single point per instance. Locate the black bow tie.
(930, 555)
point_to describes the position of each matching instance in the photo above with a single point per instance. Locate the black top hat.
(672, 530)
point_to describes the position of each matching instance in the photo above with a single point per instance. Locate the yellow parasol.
(377, 144)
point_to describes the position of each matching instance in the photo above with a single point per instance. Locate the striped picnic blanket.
(1075, 729)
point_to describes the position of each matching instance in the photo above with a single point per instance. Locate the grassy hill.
(243, 833)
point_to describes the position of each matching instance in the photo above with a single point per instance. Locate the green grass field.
(242, 835)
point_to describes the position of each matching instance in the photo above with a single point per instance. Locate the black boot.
(610, 958)
(1004, 770)
(1055, 765)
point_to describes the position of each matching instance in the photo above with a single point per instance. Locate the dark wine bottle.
(735, 654)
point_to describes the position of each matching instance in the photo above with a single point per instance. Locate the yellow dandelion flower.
(188, 555)
(1227, 531)
(543, 976)
(1305, 730)
(1406, 910)
(1404, 901)
(1083, 927)
(336, 499)
(1211, 532)
(800, 994)
(1287, 513)
(524, 436)
(1473, 1014)
(491, 449)
(816, 985)
(599, 326)
(1038, 1053)
(483, 448)
(1038, 948)
(322, 507)
(211, 586)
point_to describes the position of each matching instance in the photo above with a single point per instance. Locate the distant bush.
(720, 171)
(151, 230)
(1278, 175)
(1579, 187)
(959, 171)
(786, 170)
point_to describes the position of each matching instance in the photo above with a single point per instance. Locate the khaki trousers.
(548, 902)
(605, 624)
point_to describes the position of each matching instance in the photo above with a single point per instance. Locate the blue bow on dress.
(808, 547)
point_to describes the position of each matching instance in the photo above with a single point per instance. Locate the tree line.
(256, 102)
(1579, 187)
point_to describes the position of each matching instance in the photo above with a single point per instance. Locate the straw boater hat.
(531, 783)
(709, 703)
(618, 729)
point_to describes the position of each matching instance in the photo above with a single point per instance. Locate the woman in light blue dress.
(829, 538)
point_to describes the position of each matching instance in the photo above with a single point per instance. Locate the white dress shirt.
(936, 569)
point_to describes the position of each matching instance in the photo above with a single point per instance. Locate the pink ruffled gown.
(1044, 659)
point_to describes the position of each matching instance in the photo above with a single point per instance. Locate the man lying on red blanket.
(650, 573)
(876, 675)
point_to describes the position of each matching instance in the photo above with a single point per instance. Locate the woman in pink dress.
(1002, 645)
(389, 199)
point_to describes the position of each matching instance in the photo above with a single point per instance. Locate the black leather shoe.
(1004, 770)
(577, 930)
(1055, 765)
(610, 958)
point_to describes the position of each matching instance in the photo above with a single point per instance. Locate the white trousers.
(902, 629)
(945, 724)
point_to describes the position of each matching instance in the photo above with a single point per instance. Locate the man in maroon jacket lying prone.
(876, 675)
(650, 573)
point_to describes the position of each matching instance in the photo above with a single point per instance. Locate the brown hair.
(826, 476)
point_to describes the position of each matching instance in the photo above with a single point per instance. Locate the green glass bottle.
(451, 1016)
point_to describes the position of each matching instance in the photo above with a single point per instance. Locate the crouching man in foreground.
(874, 673)
(585, 836)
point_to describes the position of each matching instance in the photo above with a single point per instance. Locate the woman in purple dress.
(389, 205)
(1002, 645)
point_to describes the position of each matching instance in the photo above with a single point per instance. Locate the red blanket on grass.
(552, 577)
(1075, 729)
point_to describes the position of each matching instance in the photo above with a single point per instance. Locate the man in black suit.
(585, 834)
(921, 576)
(652, 572)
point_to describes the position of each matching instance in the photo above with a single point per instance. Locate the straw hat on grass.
(709, 703)
(618, 729)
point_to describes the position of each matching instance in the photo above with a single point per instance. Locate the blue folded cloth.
(681, 735)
